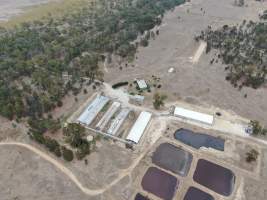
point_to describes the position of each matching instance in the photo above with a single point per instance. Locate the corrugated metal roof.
(193, 115)
(107, 116)
(117, 122)
(92, 110)
(139, 127)
(141, 84)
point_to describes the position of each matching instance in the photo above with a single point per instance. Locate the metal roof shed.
(139, 127)
(193, 115)
(108, 115)
(92, 110)
(118, 121)
(142, 84)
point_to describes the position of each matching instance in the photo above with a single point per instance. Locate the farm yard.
(161, 124)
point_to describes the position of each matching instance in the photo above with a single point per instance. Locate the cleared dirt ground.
(199, 83)
(26, 176)
(248, 176)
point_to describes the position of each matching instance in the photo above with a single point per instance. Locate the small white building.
(142, 84)
(139, 127)
(137, 99)
(193, 115)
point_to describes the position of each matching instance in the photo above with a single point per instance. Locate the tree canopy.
(243, 48)
(35, 55)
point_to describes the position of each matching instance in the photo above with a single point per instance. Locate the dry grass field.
(118, 171)
(198, 83)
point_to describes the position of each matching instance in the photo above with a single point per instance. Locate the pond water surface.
(215, 177)
(172, 158)
(159, 183)
(197, 194)
(198, 140)
(140, 197)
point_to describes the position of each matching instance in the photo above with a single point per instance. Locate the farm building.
(142, 84)
(117, 122)
(139, 127)
(108, 115)
(193, 115)
(137, 99)
(92, 110)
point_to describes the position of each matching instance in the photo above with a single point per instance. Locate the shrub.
(57, 152)
(252, 156)
(67, 154)
(120, 84)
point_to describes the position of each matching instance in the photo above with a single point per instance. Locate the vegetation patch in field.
(243, 49)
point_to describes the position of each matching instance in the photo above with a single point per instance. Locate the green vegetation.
(43, 60)
(257, 129)
(252, 156)
(35, 55)
(120, 84)
(264, 15)
(159, 100)
(243, 48)
(67, 154)
(75, 134)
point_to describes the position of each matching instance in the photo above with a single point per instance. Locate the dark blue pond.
(140, 197)
(175, 159)
(215, 177)
(198, 140)
(197, 194)
(160, 183)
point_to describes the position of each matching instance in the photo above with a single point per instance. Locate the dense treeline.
(34, 56)
(41, 61)
(244, 49)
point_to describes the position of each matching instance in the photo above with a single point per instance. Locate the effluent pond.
(160, 183)
(172, 158)
(140, 197)
(197, 194)
(215, 177)
(198, 140)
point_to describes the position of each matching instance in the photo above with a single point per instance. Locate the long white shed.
(139, 127)
(92, 110)
(193, 115)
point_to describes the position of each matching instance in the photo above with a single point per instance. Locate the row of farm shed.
(113, 118)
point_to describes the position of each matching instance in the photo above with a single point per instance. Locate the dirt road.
(199, 52)
(69, 173)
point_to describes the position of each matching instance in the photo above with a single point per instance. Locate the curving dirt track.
(70, 175)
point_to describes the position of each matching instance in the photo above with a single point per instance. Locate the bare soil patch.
(199, 83)
(26, 176)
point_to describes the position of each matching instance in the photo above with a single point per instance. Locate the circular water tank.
(90, 138)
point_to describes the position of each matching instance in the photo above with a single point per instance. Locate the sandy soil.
(199, 83)
(24, 175)
(13, 8)
(248, 176)
(104, 165)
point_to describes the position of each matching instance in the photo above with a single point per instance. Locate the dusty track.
(68, 172)
(199, 52)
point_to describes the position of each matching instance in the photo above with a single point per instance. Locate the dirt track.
(70, 175)
(198, 83)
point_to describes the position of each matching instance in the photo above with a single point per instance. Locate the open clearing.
(114, 172)
(17, 11)
(199, 83)
(199, 52)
